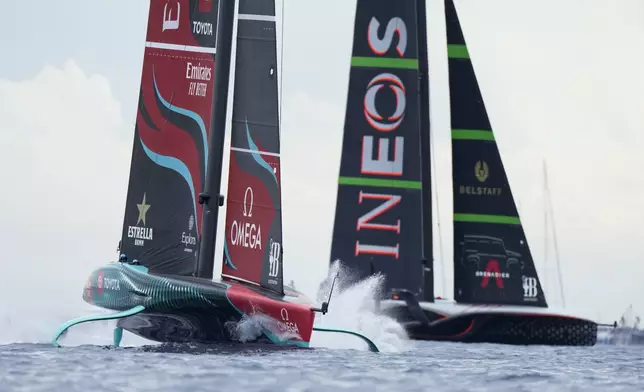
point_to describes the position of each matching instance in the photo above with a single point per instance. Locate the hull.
(450, 321)
(182, 309)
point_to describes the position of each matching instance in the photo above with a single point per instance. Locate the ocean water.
(424, 367)
(28, 362)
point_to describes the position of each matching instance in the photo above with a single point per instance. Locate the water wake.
(353, 307)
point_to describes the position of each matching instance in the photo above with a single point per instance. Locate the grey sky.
(562, 80)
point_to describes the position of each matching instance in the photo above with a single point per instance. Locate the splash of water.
(251, 327)
(353, 307)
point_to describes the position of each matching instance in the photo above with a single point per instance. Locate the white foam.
(352, 307)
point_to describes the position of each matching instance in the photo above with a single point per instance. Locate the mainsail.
(253, 246)
(163, 216)
(378, 227)
(492, 260)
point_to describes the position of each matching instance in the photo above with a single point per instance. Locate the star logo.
(143, 210)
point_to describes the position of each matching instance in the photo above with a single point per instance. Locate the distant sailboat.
(383, 220)
(627, 331)
(549, 223)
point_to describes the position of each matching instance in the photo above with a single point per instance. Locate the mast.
(211, 198)
(425, 157)
(545, 226)
(554, 235)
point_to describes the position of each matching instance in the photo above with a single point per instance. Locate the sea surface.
(424, 366)
(28, 361)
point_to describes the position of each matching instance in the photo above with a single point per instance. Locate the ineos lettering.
(371, 112)
(364, 222)
(382, 165)
(381, 46)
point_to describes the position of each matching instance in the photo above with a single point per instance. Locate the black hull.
(498, 327)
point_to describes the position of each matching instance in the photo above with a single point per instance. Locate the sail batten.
(492, 260)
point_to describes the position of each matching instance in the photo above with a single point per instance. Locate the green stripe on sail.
(457, 52)
(358, 181)
(472, 134)
(384, 62)
(480, 218)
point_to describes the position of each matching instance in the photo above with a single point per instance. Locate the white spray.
(353, 307)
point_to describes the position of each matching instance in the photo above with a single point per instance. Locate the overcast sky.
(562, 80)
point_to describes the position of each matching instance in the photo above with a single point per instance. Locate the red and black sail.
(492, 259)
(162, 215)
(253, 245)
(379, 220)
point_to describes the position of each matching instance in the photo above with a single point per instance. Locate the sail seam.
(384, 62)
(379, 182)
(240, 279)
(182, 48)
(272, 154)
(472, 134)
(483, 218)
(255, 17)
(457, 52)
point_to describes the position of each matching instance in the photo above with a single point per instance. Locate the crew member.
(123, 258)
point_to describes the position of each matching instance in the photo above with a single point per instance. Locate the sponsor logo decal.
(492, 271)
(187, 238)
(245, 233)
(287, 325)
(104, 283)
(198, 72)
(99, 282)
(274, 260)
(377, 146)
(141, 233)
(168, 22)
(202, 28)
(481, 171)
(374, 118)
(481, 174)
(530, 288)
